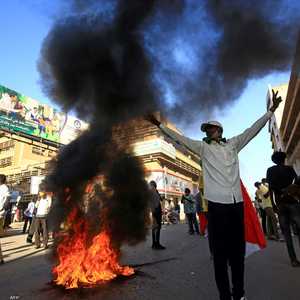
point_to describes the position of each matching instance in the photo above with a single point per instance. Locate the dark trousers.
(263, 216)
(156, 227)
(156, 236)
(7, 220)
(272, 222)
(289, 214)
(227, 242)
(26, 221)
(192, 222)
(41, 222)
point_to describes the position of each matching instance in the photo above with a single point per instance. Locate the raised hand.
(275, 100)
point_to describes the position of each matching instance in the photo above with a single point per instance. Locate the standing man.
(262, 192)
(279, 178)
(42, 209)
(222, 189)
(189, 205)
(4, 193)
(155, 206)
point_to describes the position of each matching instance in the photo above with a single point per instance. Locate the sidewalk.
(14, 246)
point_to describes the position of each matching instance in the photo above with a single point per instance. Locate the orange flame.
(83, 265)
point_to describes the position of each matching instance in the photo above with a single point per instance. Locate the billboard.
(19, 113)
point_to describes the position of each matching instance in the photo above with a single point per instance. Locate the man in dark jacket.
(279, 178)
(156, 210)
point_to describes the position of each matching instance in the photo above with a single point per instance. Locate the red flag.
(255, 238)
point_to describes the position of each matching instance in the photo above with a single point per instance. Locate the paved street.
(183, 271)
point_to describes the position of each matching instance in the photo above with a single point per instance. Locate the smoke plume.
(99, 69)
(204, 58)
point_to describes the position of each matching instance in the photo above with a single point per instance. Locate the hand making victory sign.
(275, 101)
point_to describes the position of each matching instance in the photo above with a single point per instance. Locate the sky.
(24, 25)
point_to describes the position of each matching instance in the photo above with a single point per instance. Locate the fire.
(83, 264)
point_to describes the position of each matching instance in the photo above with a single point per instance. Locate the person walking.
(42, 209)
(31, 229)
(156, 210)
(262, 213)
(28, 214)
(222, 189)
(189, 205)
(201, 209)
(263, 194)
(280, 177)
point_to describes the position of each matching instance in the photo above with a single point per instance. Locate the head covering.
(210, 123)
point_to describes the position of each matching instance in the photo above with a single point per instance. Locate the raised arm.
(192, 145)
(240, 141)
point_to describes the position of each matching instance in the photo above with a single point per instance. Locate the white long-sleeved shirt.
(220, 162)
(43, 206)
(4, 193)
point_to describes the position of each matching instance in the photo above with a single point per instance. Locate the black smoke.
(99, 69)
(255, 39)
(205, 57)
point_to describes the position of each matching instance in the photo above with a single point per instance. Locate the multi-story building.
(26, 147)
(171, 165)
(22, 158)
(287, 138)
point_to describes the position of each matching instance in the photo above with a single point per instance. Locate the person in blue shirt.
(190, 211)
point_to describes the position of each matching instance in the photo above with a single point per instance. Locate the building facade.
(169, 164)
(22, 159)
(285, 131)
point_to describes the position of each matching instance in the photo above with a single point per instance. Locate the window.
(51, 153)
(34, 173)
(5, 162)
(7, 145)
(38, 150)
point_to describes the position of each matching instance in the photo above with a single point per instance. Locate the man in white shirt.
(43, 206)
(223, 191)
(4, 193)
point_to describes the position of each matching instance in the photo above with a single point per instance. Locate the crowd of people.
(35, 215)
(277, 200)
(223, 191)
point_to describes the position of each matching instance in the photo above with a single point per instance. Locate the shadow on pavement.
(16, 248)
